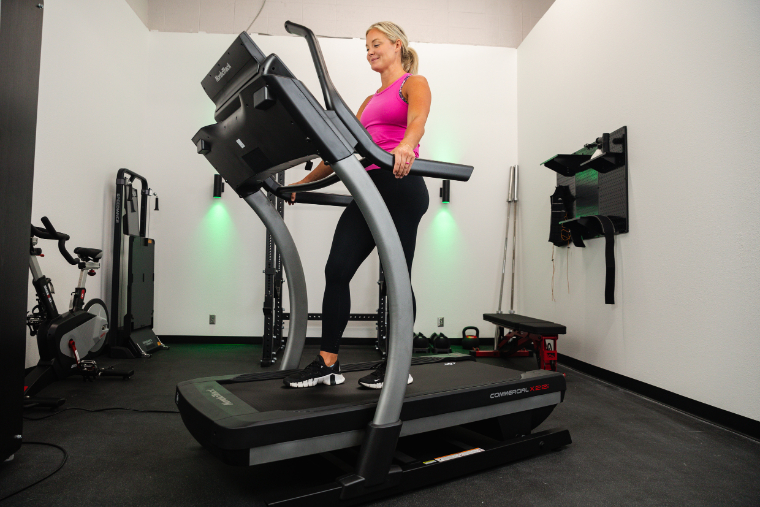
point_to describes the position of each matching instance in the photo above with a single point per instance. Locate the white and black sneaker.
(375, 379)
(316, 373)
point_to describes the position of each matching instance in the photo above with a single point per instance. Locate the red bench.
(524, 331)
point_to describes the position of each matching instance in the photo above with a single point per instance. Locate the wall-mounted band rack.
(591, 199)
(597, 176)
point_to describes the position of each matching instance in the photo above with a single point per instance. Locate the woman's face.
(381, 53)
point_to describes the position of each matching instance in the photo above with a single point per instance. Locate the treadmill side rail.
(334, 442)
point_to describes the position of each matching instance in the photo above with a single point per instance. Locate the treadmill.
(267, 121)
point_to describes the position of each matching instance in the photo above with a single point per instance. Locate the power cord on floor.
(66, 454)
(63, 462)
(102, 410)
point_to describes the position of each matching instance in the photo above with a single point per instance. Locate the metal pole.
(514, 244)
(506, 235)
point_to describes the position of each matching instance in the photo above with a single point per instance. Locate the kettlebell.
(469, 341)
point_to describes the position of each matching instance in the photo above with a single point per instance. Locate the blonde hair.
(409, 59)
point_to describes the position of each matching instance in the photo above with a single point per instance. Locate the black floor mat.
(626, 450)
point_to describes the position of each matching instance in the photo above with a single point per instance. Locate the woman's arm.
(361, 109)
(323, 170)
(419, 97)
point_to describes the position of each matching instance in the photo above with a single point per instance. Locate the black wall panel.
(20, 43)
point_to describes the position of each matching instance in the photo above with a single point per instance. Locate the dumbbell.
(441, 344)
(420, 343)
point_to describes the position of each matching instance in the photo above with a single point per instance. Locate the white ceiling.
(502, 23)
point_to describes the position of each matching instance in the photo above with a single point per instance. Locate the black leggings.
(407, 200)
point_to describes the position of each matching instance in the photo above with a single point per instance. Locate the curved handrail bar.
(325, 199)
(293, 267)
(305, 187)
(328, 89)
(365, 146)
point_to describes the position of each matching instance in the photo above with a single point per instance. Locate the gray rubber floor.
(626, 450)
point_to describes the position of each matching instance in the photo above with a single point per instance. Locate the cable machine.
(131, 331)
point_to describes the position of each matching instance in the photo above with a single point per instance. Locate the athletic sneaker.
(375, 379)
(316, 373)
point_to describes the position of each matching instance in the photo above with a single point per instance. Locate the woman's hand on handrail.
(403, 158)
(321, 171)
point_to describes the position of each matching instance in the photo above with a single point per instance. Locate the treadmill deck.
(253, 419)
(429, 379)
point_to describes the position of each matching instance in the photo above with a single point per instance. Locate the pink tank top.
(385, 117)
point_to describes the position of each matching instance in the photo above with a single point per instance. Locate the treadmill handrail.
(328, 89)
(305, 197)
(365, 145)
(324, 199)
(306, 187)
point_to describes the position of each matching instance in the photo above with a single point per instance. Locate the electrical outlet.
(212, 319)
(440, 321)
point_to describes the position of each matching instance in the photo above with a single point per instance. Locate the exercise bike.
(67, 342)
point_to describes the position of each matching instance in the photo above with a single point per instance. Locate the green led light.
(213, 242)
(444, 228)
(445, 239)
(217, 229)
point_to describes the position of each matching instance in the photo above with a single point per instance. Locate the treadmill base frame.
(415, 474)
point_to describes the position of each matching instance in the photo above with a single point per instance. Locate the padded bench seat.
(525, 324)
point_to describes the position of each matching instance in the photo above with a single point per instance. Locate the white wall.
(114, 95)
(210, 253)
(89, 124)
(684, 78)
(142, 9)
(503, 23)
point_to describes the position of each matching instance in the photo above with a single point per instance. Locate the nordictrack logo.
(224, 71)
(219, 397)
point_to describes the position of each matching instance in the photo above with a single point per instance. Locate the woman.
(395, 117)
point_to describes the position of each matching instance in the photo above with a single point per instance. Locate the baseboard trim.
(257, 340)
(169, 339)
(734, 422)
(250, 340)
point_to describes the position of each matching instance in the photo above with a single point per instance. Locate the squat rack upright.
(274, 317)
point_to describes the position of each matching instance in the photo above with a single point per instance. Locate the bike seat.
(88, 254)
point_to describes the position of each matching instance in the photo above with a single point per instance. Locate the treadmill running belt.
(272, 395)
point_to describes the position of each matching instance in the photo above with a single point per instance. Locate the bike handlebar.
(62, 239)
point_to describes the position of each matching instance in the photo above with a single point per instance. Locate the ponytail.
(409, 60)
